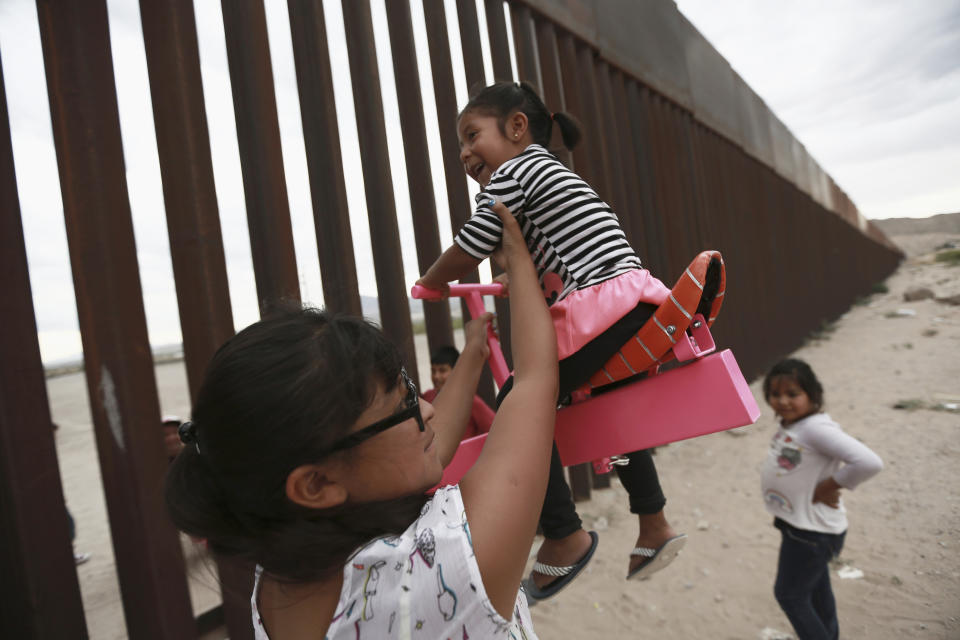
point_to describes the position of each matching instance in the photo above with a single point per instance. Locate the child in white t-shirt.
(809, 461)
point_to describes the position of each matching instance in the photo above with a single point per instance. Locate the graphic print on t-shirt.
(790, 456)
(778, 501)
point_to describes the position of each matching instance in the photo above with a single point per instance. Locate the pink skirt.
(586, 313)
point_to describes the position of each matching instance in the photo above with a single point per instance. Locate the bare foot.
(654, 531)
(561, 552)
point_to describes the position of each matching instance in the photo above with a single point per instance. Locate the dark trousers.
(803, 581)
(558, 517)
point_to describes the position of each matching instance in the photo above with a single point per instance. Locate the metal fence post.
(41, 594)
(117, 358)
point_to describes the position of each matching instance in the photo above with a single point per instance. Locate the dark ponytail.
(503, 99)
(569, 129)
(275, 396)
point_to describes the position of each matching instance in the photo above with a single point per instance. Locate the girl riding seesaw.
(309, 455)
(599, 296)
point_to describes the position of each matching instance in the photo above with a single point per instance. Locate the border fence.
(686, 153)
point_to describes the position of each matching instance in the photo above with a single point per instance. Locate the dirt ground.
(904, 524)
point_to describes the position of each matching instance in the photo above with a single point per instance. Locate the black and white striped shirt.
(573, 236)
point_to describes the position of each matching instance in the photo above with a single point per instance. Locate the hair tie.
(484, 199)
(188, 434)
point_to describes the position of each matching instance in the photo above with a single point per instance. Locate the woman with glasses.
(309, 455)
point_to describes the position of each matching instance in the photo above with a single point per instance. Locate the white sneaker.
(80, 558)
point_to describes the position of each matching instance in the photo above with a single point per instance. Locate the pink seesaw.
(705, 394)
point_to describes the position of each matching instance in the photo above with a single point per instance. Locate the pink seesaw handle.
(472, 293)
(456, 291)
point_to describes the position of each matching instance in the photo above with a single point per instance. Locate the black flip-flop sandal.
(656, 559)
(564, 575)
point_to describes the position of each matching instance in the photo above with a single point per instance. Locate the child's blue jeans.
(803, 581)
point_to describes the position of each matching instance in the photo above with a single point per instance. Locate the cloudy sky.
(871, 87)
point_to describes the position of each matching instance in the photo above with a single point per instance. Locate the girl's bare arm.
(453, 264)
(503, 492)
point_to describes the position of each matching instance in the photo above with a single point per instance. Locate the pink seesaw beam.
(707, 395)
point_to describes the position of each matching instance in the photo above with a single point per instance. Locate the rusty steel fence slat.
(695, 235)
(41, 593)
(765, 306)
(419, 177)
(570, 100)
(678, 184)
(593, 126)
(736, 317)
(552, 83)
(458, 199)
(447, 108)
(186, 170)
(472, 50)
(468, 23)
(524, 43)
(119, 368)
(688, 242)
(579, 96)
(321, 138)
(626, 163)
(193, 223)
(261, 158)
(666, 212)
(499, 44)
(641, 150)
(703, 204)
(611, 147)
(678, 229)
(377, 180)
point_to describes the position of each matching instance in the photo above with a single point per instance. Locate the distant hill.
(920, 236)
(941, 223)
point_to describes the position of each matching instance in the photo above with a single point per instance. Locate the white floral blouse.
(424, 583)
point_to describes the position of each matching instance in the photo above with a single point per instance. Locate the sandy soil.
(905, 523)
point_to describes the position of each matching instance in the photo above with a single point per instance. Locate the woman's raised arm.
(503, 492)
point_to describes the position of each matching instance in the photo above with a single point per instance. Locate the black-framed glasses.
(411, 410)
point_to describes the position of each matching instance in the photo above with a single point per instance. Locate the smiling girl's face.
(484, 147)
(789, 400)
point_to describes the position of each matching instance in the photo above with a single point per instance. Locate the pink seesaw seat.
(705, 396)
